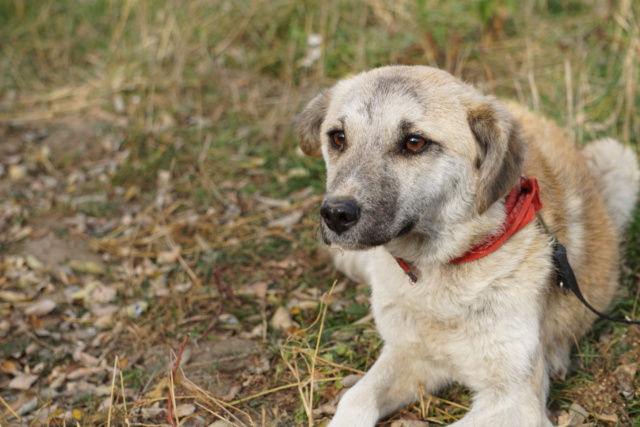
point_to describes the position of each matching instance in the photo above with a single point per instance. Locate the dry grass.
(159, 134)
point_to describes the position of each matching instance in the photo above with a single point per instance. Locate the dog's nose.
(340, 215)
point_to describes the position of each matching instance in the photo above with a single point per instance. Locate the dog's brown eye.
(338, 139)
(415, 144)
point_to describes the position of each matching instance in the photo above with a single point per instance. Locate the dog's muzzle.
(340, 215)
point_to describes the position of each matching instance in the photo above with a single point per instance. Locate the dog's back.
(588, 204)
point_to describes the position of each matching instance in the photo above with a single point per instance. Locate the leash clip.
(565, 289)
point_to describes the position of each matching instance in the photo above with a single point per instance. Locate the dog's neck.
(518, 209)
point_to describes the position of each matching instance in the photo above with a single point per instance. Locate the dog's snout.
(340, 215)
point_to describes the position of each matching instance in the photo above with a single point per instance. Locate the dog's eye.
(337, 139)
(415, 144)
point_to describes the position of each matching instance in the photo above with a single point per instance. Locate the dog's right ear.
(310, 121)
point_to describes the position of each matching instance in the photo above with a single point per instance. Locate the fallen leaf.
(122, 363)
(87, 360)
(12, 296)
(39, 368)
(182, 287)
(32, 348)
(281, 319)
(287, 221)
(308, 305)
(57, 378)
(152, 412)
(17, 172)
(25, 404)
(95, 292)
(76, 387)
(23, 382)
(625, 375)
(77, 414)
(268, 202)
(327, 409)
(41, 307)
(612, 418)
(168, 257)
(235, 389)
(104, 322)
(5, 325)
(103, 294)
(33, 263)
(575, 416)
(29, 279)
(159, 390)
(22, 233)
(185, 409)
(87, 267)
(9, 367)
(84, 372)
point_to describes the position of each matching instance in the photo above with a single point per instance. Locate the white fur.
(614, 168)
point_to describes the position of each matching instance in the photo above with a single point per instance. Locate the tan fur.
(499, 324)
(564, 177)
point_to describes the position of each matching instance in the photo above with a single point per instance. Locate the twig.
(171, 403)
(332, 364)
(218, 415)
(10, 409)
(325, 302)
(124, 397)
(208, 397)
(113, 386)
(226, 294)
(183, 263)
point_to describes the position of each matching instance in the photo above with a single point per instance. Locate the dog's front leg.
(392, 383)
(512, 400)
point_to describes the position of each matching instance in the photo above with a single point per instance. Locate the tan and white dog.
(419, 166)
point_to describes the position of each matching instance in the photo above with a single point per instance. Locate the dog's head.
(407, 150)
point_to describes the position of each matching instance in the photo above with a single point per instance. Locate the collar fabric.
(521, 207)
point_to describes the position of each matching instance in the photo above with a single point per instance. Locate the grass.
(196, 101)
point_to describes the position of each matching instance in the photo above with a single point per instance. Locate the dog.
(423, 173)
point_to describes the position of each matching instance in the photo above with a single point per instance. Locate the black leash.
(566, 279)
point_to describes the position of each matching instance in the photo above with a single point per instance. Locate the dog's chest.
(434, 308)
(444, 308)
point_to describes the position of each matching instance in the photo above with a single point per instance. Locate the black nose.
(340, 215)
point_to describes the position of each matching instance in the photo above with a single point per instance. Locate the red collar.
(521, 206)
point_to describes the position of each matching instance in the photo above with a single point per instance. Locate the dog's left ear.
(309, 122)
(501, 151)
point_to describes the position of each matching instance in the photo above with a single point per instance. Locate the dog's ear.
(309, 122)
(501, 151)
